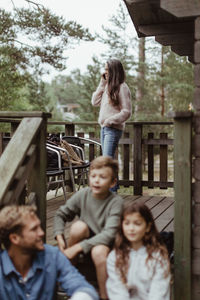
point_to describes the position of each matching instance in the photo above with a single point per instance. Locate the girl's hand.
(61, 242)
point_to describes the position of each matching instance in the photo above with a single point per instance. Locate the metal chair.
(55, 174)
(80, 171)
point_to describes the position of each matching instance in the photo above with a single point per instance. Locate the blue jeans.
(109, 141)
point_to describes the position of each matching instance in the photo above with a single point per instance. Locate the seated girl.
(138, 267)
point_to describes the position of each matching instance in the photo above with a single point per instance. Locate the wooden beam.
(191, 58)
(181, 8)
(17, 147)
(197, 29)
(168, 28)
(197, 52)
(24, 114)
(183, 50)
(178, 39)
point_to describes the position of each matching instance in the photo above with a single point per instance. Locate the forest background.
(34, 37)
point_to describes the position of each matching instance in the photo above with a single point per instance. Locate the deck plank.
(161, 207)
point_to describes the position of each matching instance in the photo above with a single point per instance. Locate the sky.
(89, 13)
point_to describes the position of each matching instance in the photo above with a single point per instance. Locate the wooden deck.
(162, 209)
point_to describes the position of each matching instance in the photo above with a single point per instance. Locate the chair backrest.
(74, 140)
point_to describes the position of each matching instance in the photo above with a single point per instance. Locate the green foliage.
(30, 40)
(87, 84)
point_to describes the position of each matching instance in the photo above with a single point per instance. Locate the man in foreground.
(28, 268)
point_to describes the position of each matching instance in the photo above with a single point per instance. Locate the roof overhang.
(170, 21)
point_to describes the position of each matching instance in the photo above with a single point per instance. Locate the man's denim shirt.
(49, 266)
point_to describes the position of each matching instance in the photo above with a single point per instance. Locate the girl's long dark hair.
(115, 78)
(151, 239)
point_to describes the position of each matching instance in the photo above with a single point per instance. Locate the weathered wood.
(183, 50)
(153, 201)
(150, 161)
(196, 262)
(70, 129)
(197, 52)
(196, 101)
(137, 159)
(54, 203)
(170, 28)
(197, 75)
(165, 218)
(196, 145)
(182, 229)
(196, 287)
(24, 114)
(196, 122)
(175, 39)
(38, 175)
(17, 147)
(197, 28)
(126, 160)
(91, 147)
(163, 159)
(191, 58)
(170, 226)
(160, 141)
(21, 177)
(1, 143)
(196, 214)
(161, 207)
(196, 169)
(181, 8)
(195, 237)
(196, 191)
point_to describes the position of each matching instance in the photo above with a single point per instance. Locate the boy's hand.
(61, 242)
(73, 251)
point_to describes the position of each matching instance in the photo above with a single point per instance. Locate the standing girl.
(138, 267)
(114, 98)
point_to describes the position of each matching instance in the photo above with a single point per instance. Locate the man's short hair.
(12, 220)
(105, 161)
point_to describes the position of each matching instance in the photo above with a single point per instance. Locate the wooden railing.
(143, 151)
(23, 162)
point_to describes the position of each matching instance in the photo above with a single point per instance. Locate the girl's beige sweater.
(109, 115)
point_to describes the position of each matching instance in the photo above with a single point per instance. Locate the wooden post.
(182, 220)
(150, 150)
(38, 178)
(126, 159)
(91, 147)
(70, 129)
(14, 125)
(137, 158)
(163, 159)
(196, 173)
(1, 143)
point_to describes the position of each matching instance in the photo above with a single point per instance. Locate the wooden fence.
(143, 151)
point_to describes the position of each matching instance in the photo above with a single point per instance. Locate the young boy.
(99, 210)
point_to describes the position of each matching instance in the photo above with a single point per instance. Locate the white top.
(109, 115)
(146, 281)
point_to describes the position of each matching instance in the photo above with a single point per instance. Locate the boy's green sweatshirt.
(101, 216)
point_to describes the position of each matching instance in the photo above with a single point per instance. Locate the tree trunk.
(141, 78)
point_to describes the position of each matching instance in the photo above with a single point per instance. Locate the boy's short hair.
(12, 220)
(105, 161)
